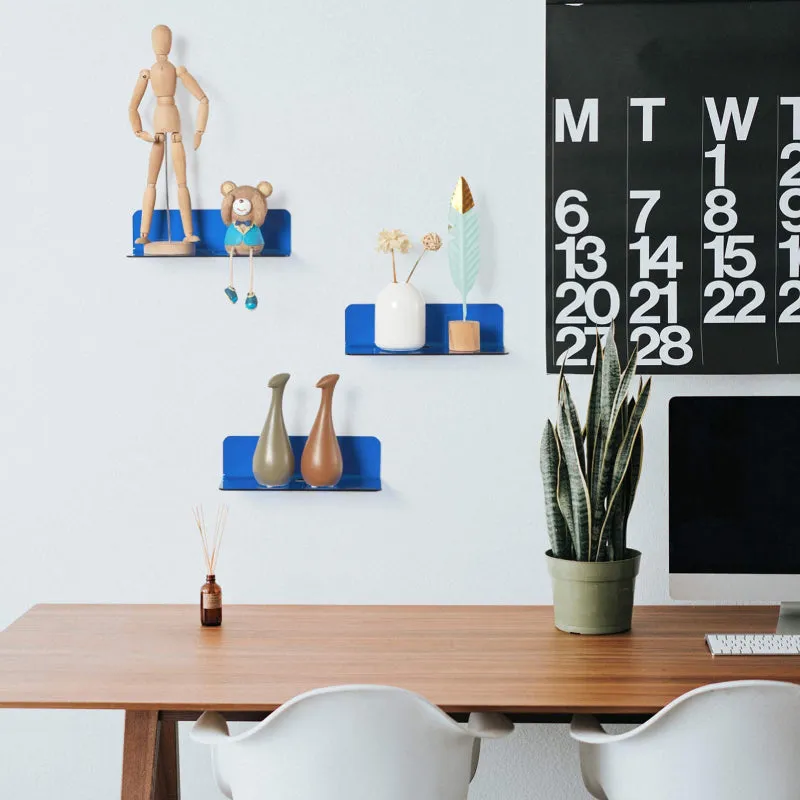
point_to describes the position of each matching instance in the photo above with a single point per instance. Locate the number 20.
(586, 298)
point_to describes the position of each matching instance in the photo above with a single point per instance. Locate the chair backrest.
(349, 743)
(737, 740)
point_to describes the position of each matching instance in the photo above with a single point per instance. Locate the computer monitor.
(734, 501)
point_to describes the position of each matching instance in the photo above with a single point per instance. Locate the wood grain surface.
(463, 658)
(140, 754)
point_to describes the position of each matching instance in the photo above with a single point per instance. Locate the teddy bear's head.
(245, 203)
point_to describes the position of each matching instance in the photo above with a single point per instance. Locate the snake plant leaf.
(593, 411)
(600, 425)
(563, 495)
(608, 447)
(625, 382)
(636, 466)
(561, 380)
(568, 548)
(627, 447)
(464, 250)
(611, 373)
(618, 422)
(596, 469)
(575, 423)
(634, 470)
(615, 542)
(617, 425)
(625, 415)
(579, 491)
(622, 461)
(549, 458)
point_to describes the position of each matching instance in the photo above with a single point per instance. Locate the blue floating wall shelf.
(208, 225)
(359, 329)
(361, 456)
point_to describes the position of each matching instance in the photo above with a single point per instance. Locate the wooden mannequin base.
(465, 337)
(169, 249)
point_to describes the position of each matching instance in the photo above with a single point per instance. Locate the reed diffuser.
(211, 593)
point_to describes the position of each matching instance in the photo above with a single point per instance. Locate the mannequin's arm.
(202, 112)
(133, 108)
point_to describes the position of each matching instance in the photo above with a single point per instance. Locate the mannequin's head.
(162, 40)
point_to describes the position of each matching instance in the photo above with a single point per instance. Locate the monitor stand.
(789, 618)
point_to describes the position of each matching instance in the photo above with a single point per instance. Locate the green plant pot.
(593, 597)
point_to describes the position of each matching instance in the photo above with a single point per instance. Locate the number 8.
(680, 342)
(716, 208)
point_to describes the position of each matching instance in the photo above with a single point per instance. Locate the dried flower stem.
(394, 269)
(416, 264)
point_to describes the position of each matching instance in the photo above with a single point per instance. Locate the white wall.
(121, 378)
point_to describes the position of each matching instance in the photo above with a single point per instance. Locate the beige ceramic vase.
(273, 460)
(321, 463)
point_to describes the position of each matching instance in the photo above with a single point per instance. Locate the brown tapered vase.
(321, 463)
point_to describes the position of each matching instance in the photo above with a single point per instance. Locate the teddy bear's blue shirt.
(251, 237)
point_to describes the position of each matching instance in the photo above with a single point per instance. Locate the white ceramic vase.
(400, 318)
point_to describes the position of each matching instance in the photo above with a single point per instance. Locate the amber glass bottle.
(211, 602)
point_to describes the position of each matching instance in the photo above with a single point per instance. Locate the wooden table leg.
(150, 758)
(139, 755)
(167, 765)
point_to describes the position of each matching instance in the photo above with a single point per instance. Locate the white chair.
(737, 741)
(350, 743)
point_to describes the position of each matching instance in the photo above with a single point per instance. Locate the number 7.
(650, 197)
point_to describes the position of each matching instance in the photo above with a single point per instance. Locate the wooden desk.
(160, 666)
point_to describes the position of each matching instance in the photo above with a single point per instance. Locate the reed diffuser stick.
(222, 519)
(211, 549)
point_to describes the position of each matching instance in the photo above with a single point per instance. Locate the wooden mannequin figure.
(163, 75)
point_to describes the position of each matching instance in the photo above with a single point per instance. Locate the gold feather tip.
(462, 197)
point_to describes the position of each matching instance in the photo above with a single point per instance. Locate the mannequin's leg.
(149, 200)
(251, 301)
(184, 200)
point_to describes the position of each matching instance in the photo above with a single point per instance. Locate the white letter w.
(731, 113)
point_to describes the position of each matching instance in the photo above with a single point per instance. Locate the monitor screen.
(734, 485)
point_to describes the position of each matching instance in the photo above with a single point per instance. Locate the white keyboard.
(753, 644)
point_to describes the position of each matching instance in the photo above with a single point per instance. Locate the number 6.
(564, 207)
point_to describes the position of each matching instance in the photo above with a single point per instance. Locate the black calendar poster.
(673, 184)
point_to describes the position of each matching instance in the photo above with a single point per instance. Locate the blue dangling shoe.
(230, 293)
(251, 301)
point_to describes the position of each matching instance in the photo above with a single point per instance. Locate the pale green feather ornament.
(464, 250)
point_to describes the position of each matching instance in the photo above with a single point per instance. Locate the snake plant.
(590, 473)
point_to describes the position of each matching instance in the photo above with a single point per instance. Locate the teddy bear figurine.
(244, 209)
